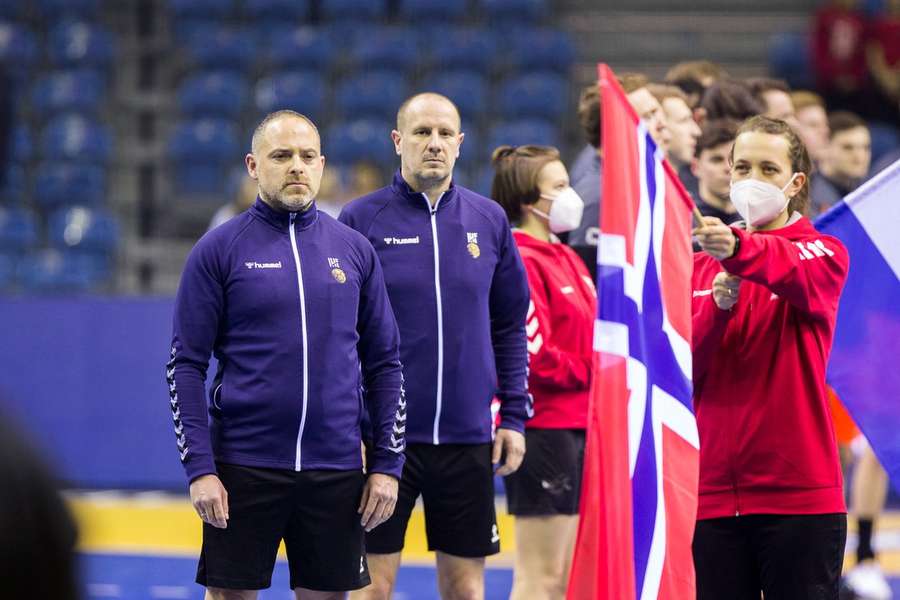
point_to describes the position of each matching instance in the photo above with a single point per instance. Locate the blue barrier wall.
(86, 378)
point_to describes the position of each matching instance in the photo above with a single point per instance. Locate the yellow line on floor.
(166, 525)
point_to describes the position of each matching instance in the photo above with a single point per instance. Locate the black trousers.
(787, 557)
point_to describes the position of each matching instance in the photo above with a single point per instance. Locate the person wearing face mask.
(294, 307)
(771, 514)
(460, 295)
(532, 186)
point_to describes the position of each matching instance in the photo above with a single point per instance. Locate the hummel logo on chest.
(395, 241)
(257, 265)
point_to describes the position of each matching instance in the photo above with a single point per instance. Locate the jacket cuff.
(387, 463)
(512, 422)
(199, 467)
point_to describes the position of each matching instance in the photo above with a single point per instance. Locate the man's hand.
(715, 238)
(725, 290)
(509, 445)
(210, 500)
(378, 501)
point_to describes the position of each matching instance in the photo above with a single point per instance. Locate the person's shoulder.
(225, 235)
(370, 204)
(490, 209)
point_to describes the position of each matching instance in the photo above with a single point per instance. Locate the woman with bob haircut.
(532, 186)
(771, 515)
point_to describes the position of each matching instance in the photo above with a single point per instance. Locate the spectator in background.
(883, 60)
(812, 123)
(775, 97)
(684, 131)
(647, 107)
(532, 186)
(847, 161)
(694, 77)
(331, 198)
(242, 198)
(37, 555)
(365, 177)
(729, 99)
(586, 176)
(838, 53)
(712, 167)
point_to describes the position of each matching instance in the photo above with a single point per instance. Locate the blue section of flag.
(864, 368)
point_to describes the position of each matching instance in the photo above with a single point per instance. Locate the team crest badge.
(336, 271)
(472, 246)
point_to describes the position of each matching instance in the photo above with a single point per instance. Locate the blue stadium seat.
(13, 9)
(302, 48)
(80, 91)
(214, 94)
(80, 44)
(373, 94)
(465, 48)
(885, 140)
(520, 133)
(467, 89)
(64, 184)
(789, 59)
(352, 10)
(85, 229)
(273, 11)
(209, 10)
(484, 180)
(18, 230)
(13, 185)
(22, 144)
(471, 152)
(204, 141)
(541, 49)
(511, 11)
(222, 47)
(49, 271)
(18, 48)
(418, 11)
(355, 141)
(201, 180)
(56, 10)
(302, 91)
(540, 95)
(386, 48)
(7, 270)
(76, 138)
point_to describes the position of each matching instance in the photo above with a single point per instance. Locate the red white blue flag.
(639, 497)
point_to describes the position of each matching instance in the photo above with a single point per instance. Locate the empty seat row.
(76, 44)
(71, 137)
(75, 227)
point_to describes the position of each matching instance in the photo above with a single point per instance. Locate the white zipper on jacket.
(303, 340)
(440, 316)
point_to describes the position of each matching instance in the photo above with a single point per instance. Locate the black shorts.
(457, 486)
(786, 557)
(313, 511)
(549, 480)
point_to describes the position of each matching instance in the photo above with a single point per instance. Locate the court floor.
(144, 547)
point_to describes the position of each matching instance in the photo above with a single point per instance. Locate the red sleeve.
(809, 274)
(549, 364)
(709, 323)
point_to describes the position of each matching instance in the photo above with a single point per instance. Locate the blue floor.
(153, 578)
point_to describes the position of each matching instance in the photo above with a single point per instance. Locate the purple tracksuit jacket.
(294, 307)
(460, 295)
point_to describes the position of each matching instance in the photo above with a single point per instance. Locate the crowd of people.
(394, 326)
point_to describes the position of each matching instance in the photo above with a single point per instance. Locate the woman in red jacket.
(532, 186)
(771, 515)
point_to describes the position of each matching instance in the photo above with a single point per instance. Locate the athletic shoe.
(868, 582)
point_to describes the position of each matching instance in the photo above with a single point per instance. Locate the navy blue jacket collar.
(280, 218)
(401, 188)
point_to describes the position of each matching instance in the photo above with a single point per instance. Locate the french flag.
(863, 368)
(639, 496)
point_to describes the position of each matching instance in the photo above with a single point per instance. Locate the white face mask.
(565, 211)
(759, 202)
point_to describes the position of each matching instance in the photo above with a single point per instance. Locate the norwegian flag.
(639, 496)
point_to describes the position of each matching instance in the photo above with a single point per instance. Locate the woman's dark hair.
(516, 171)
(797, 154)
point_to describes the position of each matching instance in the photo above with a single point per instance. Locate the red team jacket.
(559, 325)
(767, 443)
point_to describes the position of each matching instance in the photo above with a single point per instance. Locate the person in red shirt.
(883, 60)
(771, 514)
(532, 186)
(838, 54)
